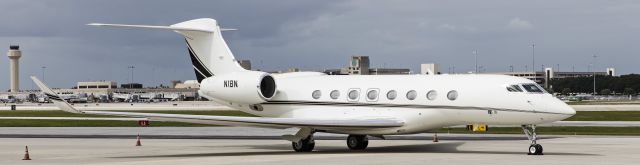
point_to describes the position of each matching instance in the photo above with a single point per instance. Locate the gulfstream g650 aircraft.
(357, 105)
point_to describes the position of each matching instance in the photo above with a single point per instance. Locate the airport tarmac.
(212, 133)
(582, 150)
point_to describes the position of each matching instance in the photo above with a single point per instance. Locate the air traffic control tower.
(14, 57)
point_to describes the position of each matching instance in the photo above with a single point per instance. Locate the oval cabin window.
(412, 94)
(316, 94)
(353, 94)
(392, 94)
(334, 94)
(372, 94)
(452, 95)
(432, 94)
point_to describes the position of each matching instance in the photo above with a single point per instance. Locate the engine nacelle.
(250, 87)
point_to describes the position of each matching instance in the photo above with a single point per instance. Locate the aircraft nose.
(568, 110)
(563, 108)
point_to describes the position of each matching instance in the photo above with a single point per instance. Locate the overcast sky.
(315, 35)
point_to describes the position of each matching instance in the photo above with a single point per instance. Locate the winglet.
(59, 102)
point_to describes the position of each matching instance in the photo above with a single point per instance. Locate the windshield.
(532, 88)
(514, 88)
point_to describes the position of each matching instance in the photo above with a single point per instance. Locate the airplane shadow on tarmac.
(280, 149)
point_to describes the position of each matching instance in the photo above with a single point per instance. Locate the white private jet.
(357, 105)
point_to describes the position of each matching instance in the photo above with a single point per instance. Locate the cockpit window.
(514, 88)
(532, 88)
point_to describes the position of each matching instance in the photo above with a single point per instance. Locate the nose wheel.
(530, 131)
(535, 149)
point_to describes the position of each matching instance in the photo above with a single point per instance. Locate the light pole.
(43, 68)
(533, 61)
(533, 56)
(153, 75)
(546, 80)
(475, 53)
(131, 83)
(594, 73)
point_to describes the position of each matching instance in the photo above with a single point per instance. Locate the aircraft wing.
(260, 121)
(234, 120)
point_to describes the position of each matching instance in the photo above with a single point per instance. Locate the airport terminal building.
(359, 65)
(544, 77)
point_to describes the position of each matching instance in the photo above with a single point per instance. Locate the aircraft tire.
(535, 149)
(357, 142)
(304, 145)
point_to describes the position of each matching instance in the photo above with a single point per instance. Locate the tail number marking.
(230, 83)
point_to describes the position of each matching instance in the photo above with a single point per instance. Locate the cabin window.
(533, 88)
(412, 94)
(432, 94)
(392, 94)
(316, 94)
(372, 95)
(452, 95)
(334, 94)
(353, 95)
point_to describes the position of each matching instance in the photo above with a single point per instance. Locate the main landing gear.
(530, 131)
(357, 142)
(304, 145)
(303, 141)
(354, 142)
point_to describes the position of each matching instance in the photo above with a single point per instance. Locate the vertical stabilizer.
(209, 52)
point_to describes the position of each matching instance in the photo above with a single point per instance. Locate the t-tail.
(208, 51)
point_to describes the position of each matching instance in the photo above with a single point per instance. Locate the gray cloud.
(315, 35)
(519, 24)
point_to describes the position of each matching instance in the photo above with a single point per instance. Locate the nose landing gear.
(530, 131)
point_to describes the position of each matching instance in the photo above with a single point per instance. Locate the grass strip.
(635, 131)
(605, 116)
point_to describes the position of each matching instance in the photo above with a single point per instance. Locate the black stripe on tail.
(53, 97)
(201, 70)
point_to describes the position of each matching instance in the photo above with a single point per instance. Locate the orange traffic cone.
(26, 153)
(435, 137)
(138, 141)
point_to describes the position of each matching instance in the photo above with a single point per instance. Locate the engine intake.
(267, 87)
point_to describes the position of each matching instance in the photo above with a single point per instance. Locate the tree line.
(605, 85)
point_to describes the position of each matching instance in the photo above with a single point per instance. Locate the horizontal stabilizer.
(63, 105)
(158, 27)
(208, 51)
